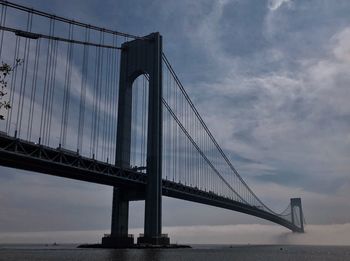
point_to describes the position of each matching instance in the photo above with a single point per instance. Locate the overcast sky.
(271, 80)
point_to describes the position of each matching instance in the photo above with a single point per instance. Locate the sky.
(270, 79)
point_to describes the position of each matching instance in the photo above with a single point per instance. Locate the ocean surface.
(198, 252)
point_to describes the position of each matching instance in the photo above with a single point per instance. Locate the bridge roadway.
(20, 154)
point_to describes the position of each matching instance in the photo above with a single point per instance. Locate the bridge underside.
(16, 153)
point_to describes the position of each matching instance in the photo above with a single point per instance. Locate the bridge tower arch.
(140, 56)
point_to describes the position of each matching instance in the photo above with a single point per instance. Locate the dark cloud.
(241, 28)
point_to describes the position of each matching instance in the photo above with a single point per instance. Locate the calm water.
(201, 253)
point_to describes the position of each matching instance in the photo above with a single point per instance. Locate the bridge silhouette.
(101, 106)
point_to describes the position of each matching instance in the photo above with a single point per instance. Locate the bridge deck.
(30, 156)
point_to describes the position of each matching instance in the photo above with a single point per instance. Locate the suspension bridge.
(102, 106)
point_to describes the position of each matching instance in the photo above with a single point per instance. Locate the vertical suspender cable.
(52, 92)
(99, 89)
(114, 90)
(65, 92)
(67, 85)
(110, 104)
(33, 90)
(104, 107)
(2, 22)
(95, 101)
(108, 107)
(24, 77)
(83, 92)
(115, 101)
(47, 72)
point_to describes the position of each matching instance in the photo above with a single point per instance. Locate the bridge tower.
(138, 57)
(295, 204)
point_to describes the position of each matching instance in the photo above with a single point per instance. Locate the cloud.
(335, 234)
(278, 109)
(342, 42)
(261, 234)
(275, 4)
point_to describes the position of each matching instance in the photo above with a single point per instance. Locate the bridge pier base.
(162, 240)
(117, 242)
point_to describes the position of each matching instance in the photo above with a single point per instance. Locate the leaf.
(7, 105)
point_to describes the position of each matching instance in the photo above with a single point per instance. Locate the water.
(198, 252)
